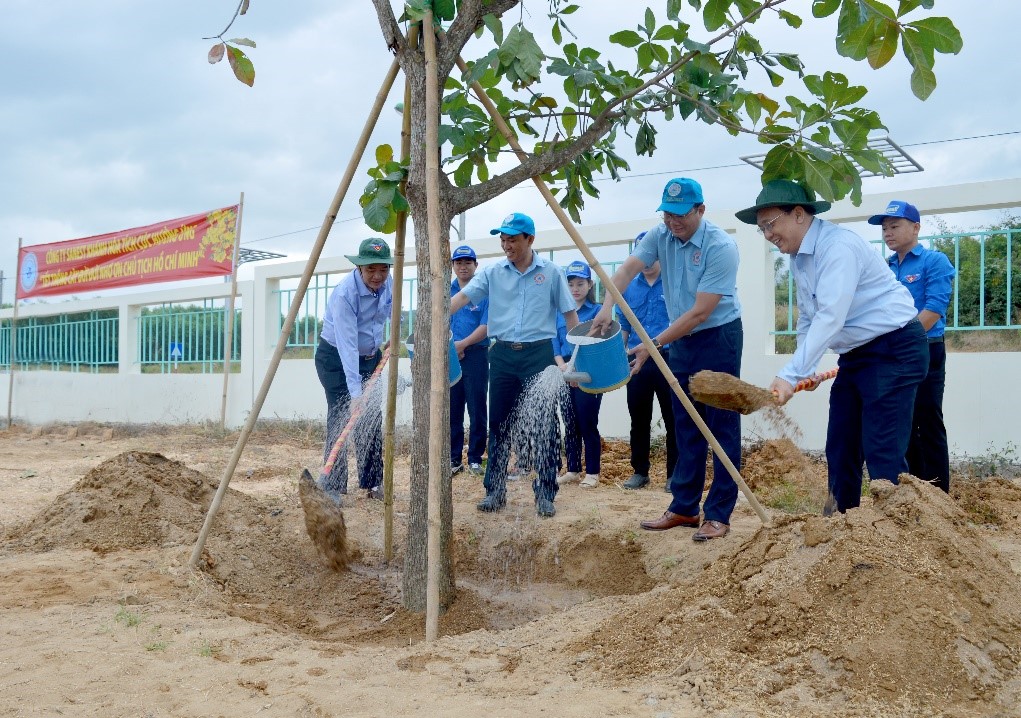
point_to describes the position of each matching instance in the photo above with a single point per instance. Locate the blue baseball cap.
(463, 252)
(579, 269)
(896, 208)
(680, 195)
(516, 223)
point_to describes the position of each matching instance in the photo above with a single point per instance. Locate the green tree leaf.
(243, 68)
(939, 33)
(443, 9)
(824, 8)
(715, 15)
(242, 41)
(376, 215)
(384, 154)
(627, 38)
(923, 82)
(884, 46)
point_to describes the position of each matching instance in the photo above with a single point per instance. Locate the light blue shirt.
(523, 306)
(467, 319)
(562, 347)
(646, 301)
(705, 263)
(847, 296)
(354, 321)
(929, 276)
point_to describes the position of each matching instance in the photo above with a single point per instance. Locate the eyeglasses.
(768, 226)
(671, 217)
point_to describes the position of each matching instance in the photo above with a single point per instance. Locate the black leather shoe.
(492, 502)
(637, 481)
(545, 508)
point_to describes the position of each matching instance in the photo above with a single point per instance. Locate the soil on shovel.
(725, 391)
(324, 522)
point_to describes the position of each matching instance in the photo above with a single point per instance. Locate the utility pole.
(1, 287)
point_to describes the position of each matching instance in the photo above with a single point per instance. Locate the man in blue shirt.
(645, 297)
(929, 277)
(698, 262)
(469, 329)
(348, 353)
(525, 292)
(848, 301)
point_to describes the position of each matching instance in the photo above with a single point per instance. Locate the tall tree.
(694, 60)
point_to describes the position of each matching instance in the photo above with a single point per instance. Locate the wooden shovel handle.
(356, 411)
(815, 380)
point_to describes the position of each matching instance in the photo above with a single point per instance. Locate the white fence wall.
(979, 402)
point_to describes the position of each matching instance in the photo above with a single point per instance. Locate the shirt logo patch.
(696, 258)
(540, 278)
(912, 278)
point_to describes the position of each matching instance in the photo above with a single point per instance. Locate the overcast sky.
(111, 118)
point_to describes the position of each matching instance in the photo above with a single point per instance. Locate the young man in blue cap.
(581, 414)
(348, 353)
(525, 292)
(698, 262)
(469, 329)
(929, 277)
(848, 301)
(645, 297)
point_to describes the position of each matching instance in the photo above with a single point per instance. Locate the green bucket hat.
(371, 251)
(780, 193)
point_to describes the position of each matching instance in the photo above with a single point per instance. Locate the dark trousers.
(581, 428)
(648, 384)
(470, 393)
(716, 349)
(509, 372)
(368, 430)
(871, 405)
(928, 453)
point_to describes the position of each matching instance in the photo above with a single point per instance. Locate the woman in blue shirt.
(581, 418)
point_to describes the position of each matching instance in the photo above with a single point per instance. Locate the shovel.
(725, 391)
(324, 521)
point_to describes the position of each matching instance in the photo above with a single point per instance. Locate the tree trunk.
(415, 561)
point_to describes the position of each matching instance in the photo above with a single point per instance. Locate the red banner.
(201, 245)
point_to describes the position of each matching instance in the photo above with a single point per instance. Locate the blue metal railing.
(984, 262)
(73, 342)
(175, 337)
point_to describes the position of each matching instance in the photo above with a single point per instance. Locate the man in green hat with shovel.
(850, 302)
(347, 355)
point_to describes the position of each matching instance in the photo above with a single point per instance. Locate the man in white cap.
(698, 262)
(525, 292)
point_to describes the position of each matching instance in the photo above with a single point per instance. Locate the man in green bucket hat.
(347, 355)
(848, 301)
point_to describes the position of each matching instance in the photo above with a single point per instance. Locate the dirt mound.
(725, 391)
(899, 601)
(134, 500)
(992, 501)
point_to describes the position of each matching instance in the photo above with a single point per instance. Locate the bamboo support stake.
(228, 337)
(13, 342)
(439, 382)
(395, 336)
(619, 299)
(299, 297)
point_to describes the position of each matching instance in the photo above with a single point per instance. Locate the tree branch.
(388, 26)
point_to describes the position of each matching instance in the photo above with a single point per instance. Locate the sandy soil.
(906, 607)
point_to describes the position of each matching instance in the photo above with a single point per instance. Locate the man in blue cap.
(929, 277)
(525, 292)
(469, 329)
(850, 302)
(348, 354)
(645, 297)
(698, 262)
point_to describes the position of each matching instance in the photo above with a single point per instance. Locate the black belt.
(369, 357)
(518, 346)
(935, 340)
